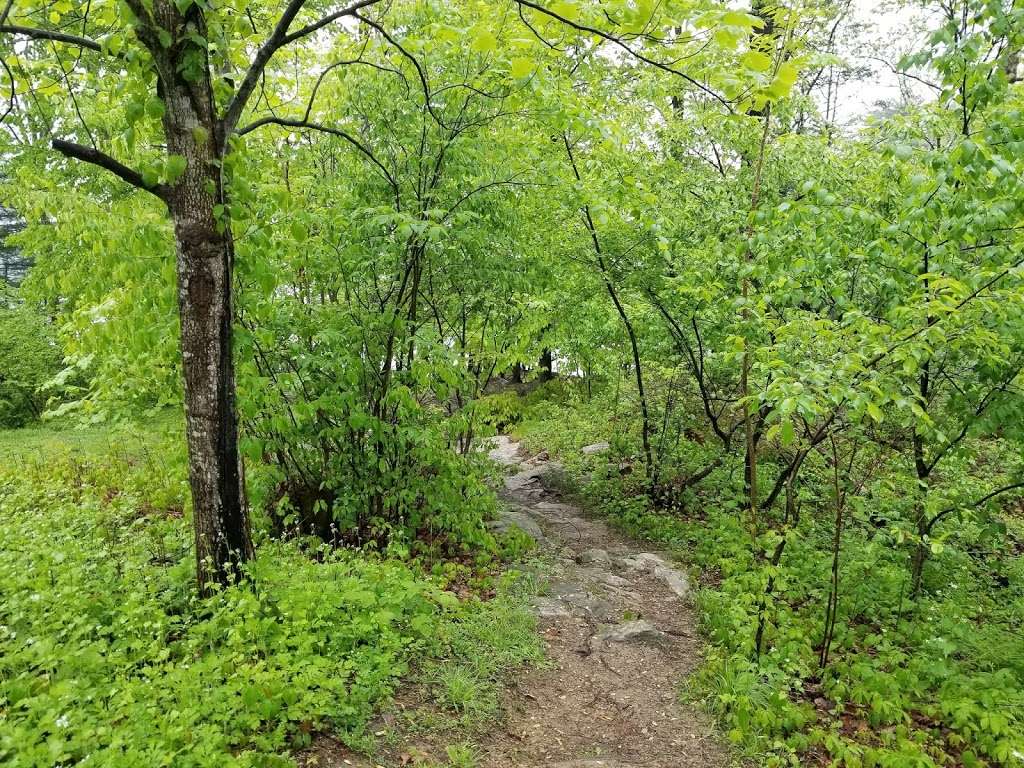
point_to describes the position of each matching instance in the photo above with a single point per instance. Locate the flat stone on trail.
(502, 450)
(554, 506)
(547, 608)
(673, 579)
(643, 562)
(509, 518)
(520, 480)
(595, 557)
(639, 631)
(595, 448)
(579, 602)
(608, 579)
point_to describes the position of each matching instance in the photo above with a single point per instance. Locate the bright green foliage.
(733, 289)
(105, 270)
(908, 686)
(109, 659)
(29, 358)
(874, 285)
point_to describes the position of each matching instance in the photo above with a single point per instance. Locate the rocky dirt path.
(620, 638)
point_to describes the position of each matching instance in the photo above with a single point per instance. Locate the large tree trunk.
(222, 537)
(205, 256)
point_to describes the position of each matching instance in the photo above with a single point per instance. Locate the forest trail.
(620, 637)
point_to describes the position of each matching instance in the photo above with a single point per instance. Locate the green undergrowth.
(933, 682)
(107, 657)
(459, 689)
(480, 653)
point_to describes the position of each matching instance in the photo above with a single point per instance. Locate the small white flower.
(63, 721)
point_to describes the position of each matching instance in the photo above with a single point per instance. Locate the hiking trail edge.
(620, 638)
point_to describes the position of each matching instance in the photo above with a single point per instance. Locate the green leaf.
(134, 110)
(155, 108)
(739, 19)
(756, 61)
(875, 412)
(483, 41)
(784, 80)
(566, 10)
(174, 166)
(521, 67)
(787, 434)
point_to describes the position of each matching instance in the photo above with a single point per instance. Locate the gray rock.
(503, 450)
(595, 557)
(521, 480)
(673, 579)
(595, 448)
(509, 518)
(563, 589)
(644, 562)
(554, 506)
(588, 606)
(640, 631)
(548, 608)
(577, 599)
(611, 580)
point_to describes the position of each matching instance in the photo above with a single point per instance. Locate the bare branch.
(46, 34)
(972, 504)
(105, 161)
(903, 73)
(13, 98)
(631, 51)
(279, 38)
(305, 124)
(415, 62)
(330, 18)
(483, 188)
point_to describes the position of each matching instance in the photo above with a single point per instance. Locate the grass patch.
(482, 651)
(44, 441)
(479, 654)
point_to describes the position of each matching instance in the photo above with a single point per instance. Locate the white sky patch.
(877, 36)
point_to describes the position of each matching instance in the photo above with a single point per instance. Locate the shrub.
(29, 357)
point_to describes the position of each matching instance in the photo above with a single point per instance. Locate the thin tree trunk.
(645, 433)
(832, 607)
(545, 364)
(749, 427)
